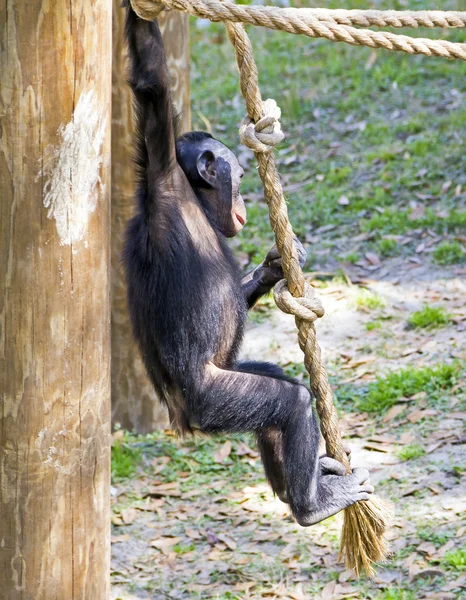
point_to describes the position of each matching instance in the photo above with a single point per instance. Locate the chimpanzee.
(188, 301)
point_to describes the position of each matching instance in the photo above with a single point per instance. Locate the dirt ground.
(218, 532)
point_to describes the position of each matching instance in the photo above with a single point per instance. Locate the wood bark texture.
(55, 124)
(134, 403)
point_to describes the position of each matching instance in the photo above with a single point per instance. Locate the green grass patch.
(388, 390)
(372, 325)
(352, 258)
(410, 452)
(181, 549)
(387, 247)
(397, 594)
(125, 459)
(449, 253)
(456, 559)
(438, 538)
(365, 299)
(429, 317)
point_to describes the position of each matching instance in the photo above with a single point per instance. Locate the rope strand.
(335, 25)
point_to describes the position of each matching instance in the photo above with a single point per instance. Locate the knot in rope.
(264, 135)
(147, 9)
(307, 308)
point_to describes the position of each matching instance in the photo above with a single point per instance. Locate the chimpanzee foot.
(335, 492)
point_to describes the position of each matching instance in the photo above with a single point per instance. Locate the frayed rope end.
(363, 540)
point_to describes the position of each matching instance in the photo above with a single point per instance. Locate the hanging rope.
(334, 25)
(365, 523)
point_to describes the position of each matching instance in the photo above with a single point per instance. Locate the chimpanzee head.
(215, 175)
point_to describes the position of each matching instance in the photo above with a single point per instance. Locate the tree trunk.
(134, 403)
(55, 97)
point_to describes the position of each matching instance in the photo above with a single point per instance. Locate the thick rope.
(362, 541)
(334, 25)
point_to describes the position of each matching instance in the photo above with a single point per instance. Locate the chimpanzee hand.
(271, 270)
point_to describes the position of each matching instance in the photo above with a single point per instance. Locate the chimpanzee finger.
(272, 254)
(346, 448)
(302, 254)
(331, 466)
(275, 264)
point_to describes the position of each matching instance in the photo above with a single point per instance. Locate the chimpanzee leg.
(236, 401)
(270, 441)
(270, 444)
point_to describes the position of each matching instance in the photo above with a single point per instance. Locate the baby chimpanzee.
(188, 300)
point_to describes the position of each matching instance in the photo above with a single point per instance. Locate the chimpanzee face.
(219, 168)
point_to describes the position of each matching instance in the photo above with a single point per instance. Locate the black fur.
(188, 302)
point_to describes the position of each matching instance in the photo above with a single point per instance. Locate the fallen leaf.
(328, 592)
(244, 450)
(212, 538)
(426, 547)
(192, 533)
(427, 574)
(164, 544)
(412, 490)
(445, 548)
(394, 412)
(416, 415)
(124, 537)
(458, 415)
(417, 212)
(382, 439)
(227, 541)
(129, 515)
(407, 437)
(377, 447)
(165, 489)
(372, 258)
(445, 187)
(223, 453)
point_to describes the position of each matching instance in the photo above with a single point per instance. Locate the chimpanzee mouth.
(240, 219)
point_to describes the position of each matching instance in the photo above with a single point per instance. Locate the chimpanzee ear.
(207, 167)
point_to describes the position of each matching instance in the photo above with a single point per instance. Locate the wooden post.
(55, 96)
(134, 404)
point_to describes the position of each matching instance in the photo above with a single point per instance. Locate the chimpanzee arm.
(262, 279)
(243, 401)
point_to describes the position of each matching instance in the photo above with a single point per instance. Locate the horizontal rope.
(334, 25)
(390, 18)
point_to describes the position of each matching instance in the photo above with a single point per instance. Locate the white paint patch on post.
(72, 170)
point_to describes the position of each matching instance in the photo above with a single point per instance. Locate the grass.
(352, 257)
(390, 389)
(125, 458)
(449, 253)
(411, 451)
(387, 247)
(365, 299)
(456, 559)
(429, 317)
(370, 126)
(372, 325)
(436, 537)
(397, 594)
